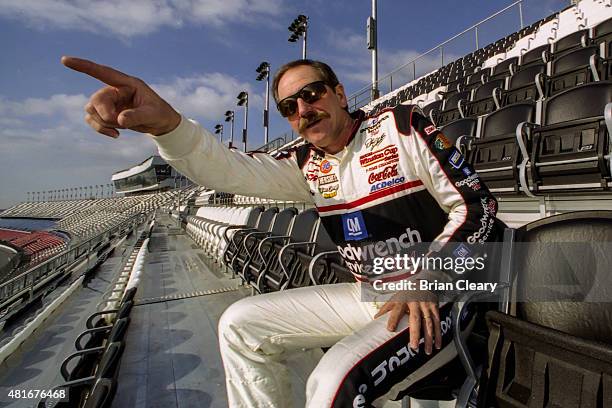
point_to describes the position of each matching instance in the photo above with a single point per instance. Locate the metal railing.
(273, 145)
(20, 284)
(410, 72)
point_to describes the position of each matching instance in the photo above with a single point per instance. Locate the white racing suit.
(397, 183)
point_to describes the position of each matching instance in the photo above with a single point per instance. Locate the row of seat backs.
(91, 382)
(573, 126)
(555, 346)
(466, 80)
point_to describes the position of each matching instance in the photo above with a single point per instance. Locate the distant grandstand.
(151, 175)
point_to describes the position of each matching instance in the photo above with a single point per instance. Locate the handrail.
(274, 144)
(23, 277)
(442, 44)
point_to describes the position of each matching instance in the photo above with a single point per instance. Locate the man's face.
(320, 122)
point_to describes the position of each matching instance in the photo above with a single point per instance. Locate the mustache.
(305, 122)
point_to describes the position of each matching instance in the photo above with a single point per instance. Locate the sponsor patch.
(389, 152)
(374, 141)
(387, 184)
(442, 143)
(462, 251)
(330, 178)
(487, 220)
(326, 166)
(471, 181)
(354, 226)
(331, 194)
(429, 130)
(312, 177)
(386, 173)
(456, 159)
(466, 171)
(373, 126)
(329, 189)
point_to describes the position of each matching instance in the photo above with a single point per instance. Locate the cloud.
(353, 62)
(47, 145)
(206, 96)
(137, 17)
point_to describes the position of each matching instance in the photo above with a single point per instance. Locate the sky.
(198, 55)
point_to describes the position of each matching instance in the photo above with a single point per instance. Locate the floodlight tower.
(243, 100)
(219, 131)
(229, 117)
(299, 28)
(264, 73)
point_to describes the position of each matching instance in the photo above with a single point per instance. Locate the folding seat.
(486, 98)
(527, 84)
(235, 249)
(79, 391)
(496, 155)
(577, 39)
(432, 110)
(269, 274)
(461, 133)
(575, 68)
(602, 36)
(503, 68)
(453, 108)
(536, 56)
(316, 264)
(248, 250)
(571, 149)
(552, 345)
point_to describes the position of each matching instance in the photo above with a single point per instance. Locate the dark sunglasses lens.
(310, 94)
(313, 92)
(287, 107)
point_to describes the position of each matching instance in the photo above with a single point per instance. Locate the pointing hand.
(125, 103)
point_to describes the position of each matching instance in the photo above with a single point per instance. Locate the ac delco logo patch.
(386, 173)
(386, 153)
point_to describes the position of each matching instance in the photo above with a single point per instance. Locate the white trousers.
(365, 366)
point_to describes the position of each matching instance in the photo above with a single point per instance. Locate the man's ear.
(339, 89)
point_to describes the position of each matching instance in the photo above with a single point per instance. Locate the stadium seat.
(553, 346)
(495, 155)
(270, 276)
(249, 253)
(571, 149)
(527, 84)
(574, 68)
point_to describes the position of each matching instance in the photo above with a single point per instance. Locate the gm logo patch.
(354, 226)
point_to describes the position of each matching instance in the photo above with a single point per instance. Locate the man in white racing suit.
(382, 185)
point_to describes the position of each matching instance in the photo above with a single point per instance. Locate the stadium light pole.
(219, 131)
(372, 41)
(299, 28)
(243, 100)
(264, 73)
(229, 117)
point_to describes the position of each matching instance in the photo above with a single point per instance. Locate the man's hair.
(327, 74)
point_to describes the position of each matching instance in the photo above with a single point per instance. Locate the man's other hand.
(421, 313)
(125, 103)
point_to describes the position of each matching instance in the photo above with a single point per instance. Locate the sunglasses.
(309, 94)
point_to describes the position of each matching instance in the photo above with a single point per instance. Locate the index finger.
(108, 75)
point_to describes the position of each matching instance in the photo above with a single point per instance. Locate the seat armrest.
(608, 120)
(523, 133)
(309, 245)
(283, 238)
(313, 261)
(77, 342)
(63, 367)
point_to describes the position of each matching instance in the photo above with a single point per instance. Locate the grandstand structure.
(532, 112)
(152, 174)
